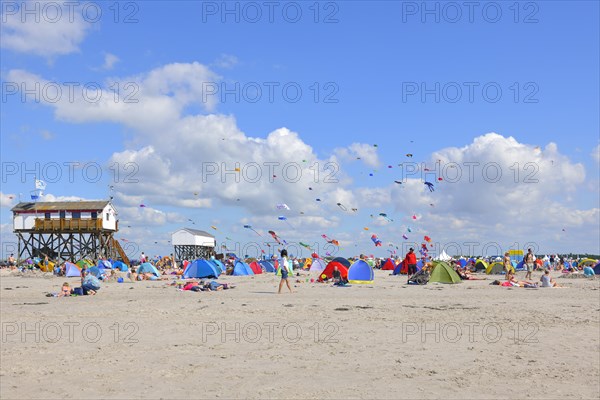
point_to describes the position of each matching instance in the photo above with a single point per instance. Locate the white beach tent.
(443, 256)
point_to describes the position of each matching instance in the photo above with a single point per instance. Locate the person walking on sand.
(284, 271)
(411, 260)
(529, 261)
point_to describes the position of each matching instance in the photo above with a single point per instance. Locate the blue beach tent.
(201, 269)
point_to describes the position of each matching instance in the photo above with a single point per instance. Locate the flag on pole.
(40, 184)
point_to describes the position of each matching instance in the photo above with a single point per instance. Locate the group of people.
(90, 285)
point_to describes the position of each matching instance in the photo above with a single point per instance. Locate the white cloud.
(52, 31)
(8, 199)
(596, 153)
(109, 61)
(367, 153)
(147, 102)
(515, 192)
(226, 61)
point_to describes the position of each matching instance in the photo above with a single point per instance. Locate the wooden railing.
(62, 224)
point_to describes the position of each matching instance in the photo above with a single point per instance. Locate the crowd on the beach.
(169, 269)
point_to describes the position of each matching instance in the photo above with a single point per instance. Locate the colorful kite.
(252, 229)
(282, 218)
(427, 239)
(274, 235)
(376, 240)
(332, 241)
(404, 237)
(384, 215)
(282, 207)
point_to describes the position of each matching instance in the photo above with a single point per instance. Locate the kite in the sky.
(409, 155)
(414, 216)
(430, 186)
(440, 179)
(282, 218)
(305, 245)
(404, 237)
(355, 209)
(142, 205)
(398, 182)
(427, 239)
(340, 205)
(409, 229)
(365, 228)
(376, 240)
(332, 241)
(274, 235)
(370, 174)
(384, 215)
(318, 199)
(214, 227)
(252, 229)
(282, 207)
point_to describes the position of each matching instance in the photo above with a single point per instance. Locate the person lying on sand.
(65, 290)
(149, 276)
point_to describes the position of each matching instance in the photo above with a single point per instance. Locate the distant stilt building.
(192, 244)
(67, 230)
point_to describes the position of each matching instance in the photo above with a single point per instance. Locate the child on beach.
(284, 271)
(65, 290)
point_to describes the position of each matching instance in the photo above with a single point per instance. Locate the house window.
(94, 215)
(107, 216)
(63, 214)
(76, 214)
(47, 215)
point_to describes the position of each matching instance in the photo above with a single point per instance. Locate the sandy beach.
(387, 340)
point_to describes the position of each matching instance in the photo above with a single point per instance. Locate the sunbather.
(65, 290)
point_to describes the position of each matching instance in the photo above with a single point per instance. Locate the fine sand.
(381, 341)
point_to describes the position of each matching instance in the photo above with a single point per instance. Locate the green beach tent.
(481, 265)
(495, 268)
(443, 273)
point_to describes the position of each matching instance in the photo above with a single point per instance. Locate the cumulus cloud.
(493, 189)
(8, 199)
(365, 152)
(109, 61)
(52, 30)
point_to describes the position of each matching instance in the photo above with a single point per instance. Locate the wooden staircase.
(117, 246)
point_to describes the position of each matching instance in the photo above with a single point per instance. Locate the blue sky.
(366, 61)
